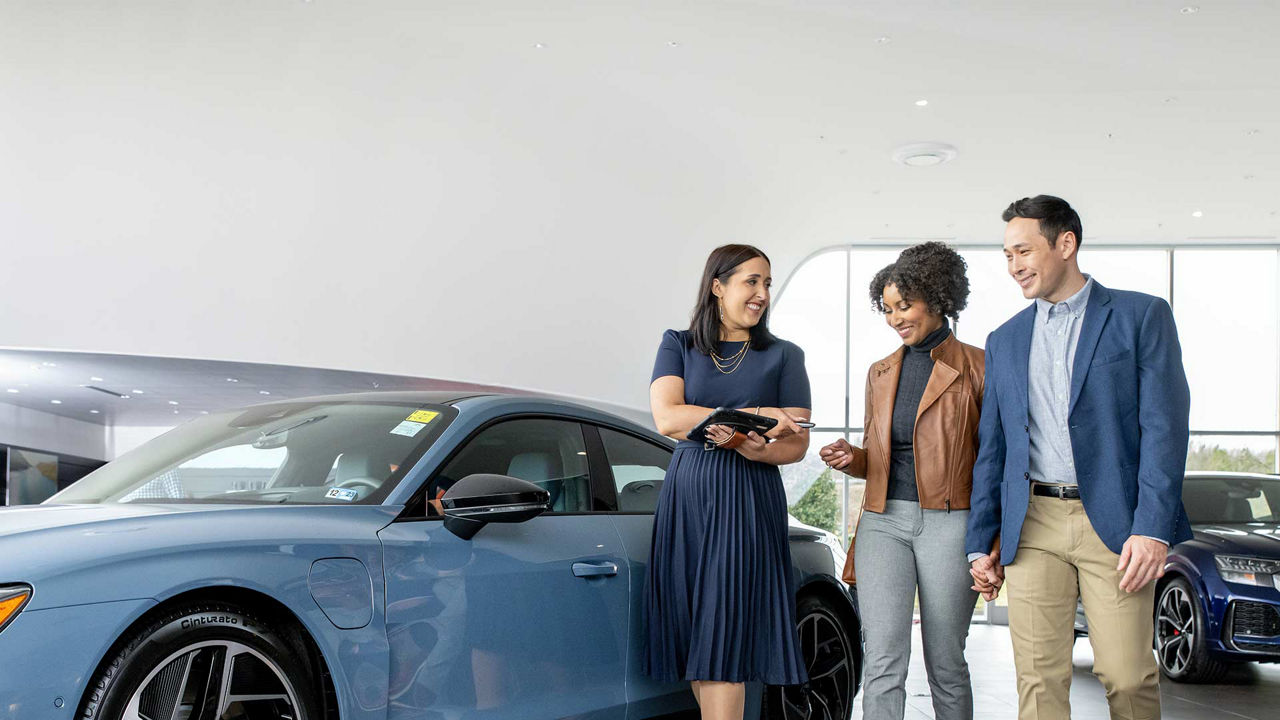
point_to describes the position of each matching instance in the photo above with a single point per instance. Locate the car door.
(524, 620)
(634, 467)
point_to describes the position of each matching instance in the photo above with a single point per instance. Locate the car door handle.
(594, 569)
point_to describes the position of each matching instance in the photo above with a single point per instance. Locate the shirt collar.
(1075, 304)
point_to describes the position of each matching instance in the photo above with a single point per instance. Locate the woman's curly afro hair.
(931, 272)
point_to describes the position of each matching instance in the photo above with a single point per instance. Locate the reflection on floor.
(1249, 691)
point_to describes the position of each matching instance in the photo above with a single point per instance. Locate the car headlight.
(1248, 570)
(12, 599)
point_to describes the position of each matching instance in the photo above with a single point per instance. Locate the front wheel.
(831, 659)
(205, 662)
(1180, 636)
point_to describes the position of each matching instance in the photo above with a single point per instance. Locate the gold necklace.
(733, 362)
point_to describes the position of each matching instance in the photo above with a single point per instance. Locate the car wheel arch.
(253, 601)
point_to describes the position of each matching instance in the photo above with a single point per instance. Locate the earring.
(721, 311)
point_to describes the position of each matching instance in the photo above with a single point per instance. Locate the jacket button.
(1026, 475)
(1026, 428)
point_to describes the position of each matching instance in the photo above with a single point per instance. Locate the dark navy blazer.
(1128, 420)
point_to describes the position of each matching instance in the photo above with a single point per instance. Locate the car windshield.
(1225, 500)
(317, 452)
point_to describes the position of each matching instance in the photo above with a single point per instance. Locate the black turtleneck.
(917, 366)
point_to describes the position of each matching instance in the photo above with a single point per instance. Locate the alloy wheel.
(829, 660)
(214, 680)
(1175, 630)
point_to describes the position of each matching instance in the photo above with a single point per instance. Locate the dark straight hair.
(704, 328)
(1056, 216)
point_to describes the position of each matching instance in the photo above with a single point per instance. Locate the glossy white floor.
(1249, 691)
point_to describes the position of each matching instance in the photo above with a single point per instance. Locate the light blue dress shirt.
(1053, 348)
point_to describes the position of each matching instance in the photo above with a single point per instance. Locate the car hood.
(1254, 539)
(27, 518)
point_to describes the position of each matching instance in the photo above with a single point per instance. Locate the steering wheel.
(366, 483)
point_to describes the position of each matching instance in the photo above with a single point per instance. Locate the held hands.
(988, 575)
(1142, 560)
(837, 455)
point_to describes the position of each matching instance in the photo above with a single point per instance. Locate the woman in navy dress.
(719, 598)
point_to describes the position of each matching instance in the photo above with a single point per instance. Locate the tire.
(831, 657)
(1179, 636)
(200, 657)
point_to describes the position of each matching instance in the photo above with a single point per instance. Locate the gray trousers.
(897, 552)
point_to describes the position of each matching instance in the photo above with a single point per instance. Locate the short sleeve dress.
(719, 596)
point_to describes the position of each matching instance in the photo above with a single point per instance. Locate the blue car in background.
(1219, 600)
(383, 555)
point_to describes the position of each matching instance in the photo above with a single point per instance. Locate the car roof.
(413, 397)
(1210, 474)
(521, 401)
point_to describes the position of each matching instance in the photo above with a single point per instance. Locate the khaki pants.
(1059, 555)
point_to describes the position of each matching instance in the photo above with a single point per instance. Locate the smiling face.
(1040, 270)
(743, 297)
(911, 319)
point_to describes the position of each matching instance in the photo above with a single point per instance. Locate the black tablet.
(743, 422)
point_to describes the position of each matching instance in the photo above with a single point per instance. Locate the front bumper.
(47, 657)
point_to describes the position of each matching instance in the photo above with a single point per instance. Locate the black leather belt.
(1065, 492)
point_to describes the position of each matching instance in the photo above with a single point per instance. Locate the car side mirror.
(480, 499)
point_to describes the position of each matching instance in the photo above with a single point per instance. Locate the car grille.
(1271, 648)
(1255, 619)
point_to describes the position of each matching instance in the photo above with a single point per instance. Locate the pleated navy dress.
(719, 595)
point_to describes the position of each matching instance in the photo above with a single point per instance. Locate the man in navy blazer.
(1077, 487)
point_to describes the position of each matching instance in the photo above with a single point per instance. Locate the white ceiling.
(522, 193)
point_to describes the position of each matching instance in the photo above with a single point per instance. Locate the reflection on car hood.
(14, 520)
(1255, 539)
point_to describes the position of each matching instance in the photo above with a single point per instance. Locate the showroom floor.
(1248, 692)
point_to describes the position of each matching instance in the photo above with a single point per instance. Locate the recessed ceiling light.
(1197, 214)
(49, 364)
(204, 412)
(56, 402)
(539, 45)
(93, 412)
(138, 392)
(1190, 10)
(95, 378)
(921, 103)
(673, 43)
(232, 380)
(924, 154)
(15, 391)
(173, 402)
(175, 412)
(264, 392)
(884, 40)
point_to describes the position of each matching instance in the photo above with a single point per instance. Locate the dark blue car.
(1219, 600)
(386, 555)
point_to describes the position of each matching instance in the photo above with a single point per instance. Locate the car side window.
(638, 469)
(548, 453)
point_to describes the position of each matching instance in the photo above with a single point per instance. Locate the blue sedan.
(385, 555)
(1219, 600)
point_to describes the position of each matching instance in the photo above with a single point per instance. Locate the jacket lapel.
(1024, 325)
(1095, 317)
(944, 373)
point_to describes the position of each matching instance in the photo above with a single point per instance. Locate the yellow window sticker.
(423, 416)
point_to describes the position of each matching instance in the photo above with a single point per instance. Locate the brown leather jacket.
(946, 432)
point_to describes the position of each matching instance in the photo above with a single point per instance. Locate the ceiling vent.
(925, 154)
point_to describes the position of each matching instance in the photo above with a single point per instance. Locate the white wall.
(43, 431)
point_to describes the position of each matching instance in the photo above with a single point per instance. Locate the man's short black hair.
(1056, 216)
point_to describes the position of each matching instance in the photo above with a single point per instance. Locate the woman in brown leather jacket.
(921, 438)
